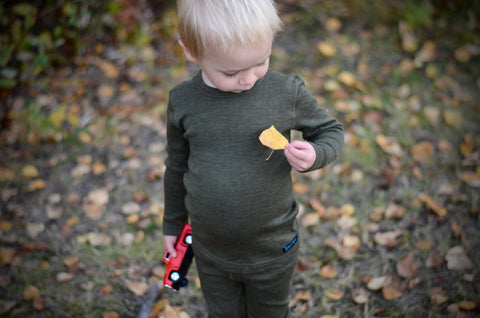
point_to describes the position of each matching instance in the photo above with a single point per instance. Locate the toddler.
(241, 206)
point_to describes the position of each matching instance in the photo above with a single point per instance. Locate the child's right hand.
(169, 244)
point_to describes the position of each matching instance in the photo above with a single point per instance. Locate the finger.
(170, 246)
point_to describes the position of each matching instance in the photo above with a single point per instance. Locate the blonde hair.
(222, 24)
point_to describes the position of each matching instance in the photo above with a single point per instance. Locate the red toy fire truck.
(177, 267)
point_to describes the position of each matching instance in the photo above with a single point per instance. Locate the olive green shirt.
(241, 206)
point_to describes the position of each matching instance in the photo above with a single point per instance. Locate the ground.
(391, 229)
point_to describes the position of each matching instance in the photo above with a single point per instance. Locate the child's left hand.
(300, 155)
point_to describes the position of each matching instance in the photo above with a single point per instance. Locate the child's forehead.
(238, 55)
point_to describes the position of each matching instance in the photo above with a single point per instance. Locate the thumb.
(170, 245)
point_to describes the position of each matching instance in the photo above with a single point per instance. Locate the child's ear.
(187, 53)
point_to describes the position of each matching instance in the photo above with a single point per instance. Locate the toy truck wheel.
(174, 276)
(188, 239)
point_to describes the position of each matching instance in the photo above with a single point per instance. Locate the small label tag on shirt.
(287, 247)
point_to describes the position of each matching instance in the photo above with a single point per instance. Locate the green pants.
(248, 293)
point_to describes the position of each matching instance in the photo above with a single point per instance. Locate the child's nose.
(248, 78)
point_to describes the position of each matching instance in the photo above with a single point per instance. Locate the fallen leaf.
(110, 314)
(34, 229)
(422, 151)
(63, 277)
(30, 292)
(467, 305)
(7, 255)
(94, 204)
(453, 118)
(390, 292)
(377, 283)
(457, 259)
(388, 239)
(29, 172)
(272, 139)
(328, 271)
(432, 205)
(333, 24)
(394, 211)
(138, 288)
(310, 219)
(326, 48)
(105, 290)
(334, 294)
(360, 295)
(389, 145)
(406, 267)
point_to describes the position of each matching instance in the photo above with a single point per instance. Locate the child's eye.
(230, 74)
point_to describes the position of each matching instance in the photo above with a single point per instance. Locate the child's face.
(238, 69)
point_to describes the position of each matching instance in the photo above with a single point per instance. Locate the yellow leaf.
(272, 139)
(346, 78)
(334, 294)
(453, 118)
(326, 48)
(58, 116)
(31, 292)
(467, 305)
(29, 172)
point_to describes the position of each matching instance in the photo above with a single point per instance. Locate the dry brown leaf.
(30, 292)
(94, 204)
(72, 263)
(138, 288)
(389, 145)
(457, 259)
(333, 24)
(432, 205)
(63, 277)
(470, 178)
(360, 295)
(7, 255)
(467, 305)
(105, 290)
(406, 267)
(328, 271)
(422, 151)
(377, 283)
(334, 294)
(388, 239)
(310, 219)
(453, 118)
(433, 260)
(390, 292)
(110, 314)
(394, 211)
(36, 185)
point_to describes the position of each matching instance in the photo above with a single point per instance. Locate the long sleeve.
(175, 211)
(319, 128)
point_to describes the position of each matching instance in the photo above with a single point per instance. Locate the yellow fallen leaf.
(326, 48)
(30, 292)
(273, 139)
(467, 305)
(138, 288)
(29, 172)
(334, 294)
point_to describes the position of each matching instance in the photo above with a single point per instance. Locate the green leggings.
(246, 293)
